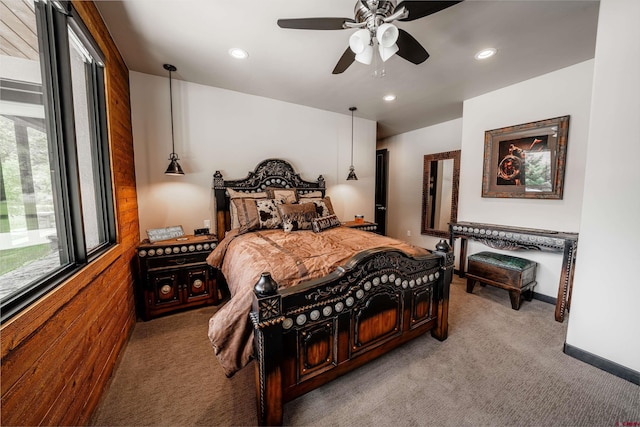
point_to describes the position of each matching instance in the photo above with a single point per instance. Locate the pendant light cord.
(352, 109)
(170, 68)
(173, 143)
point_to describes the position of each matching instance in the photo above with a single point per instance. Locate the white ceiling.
(533, 37)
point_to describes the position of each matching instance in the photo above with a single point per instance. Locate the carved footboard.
(309, 334)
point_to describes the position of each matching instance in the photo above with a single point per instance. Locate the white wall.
(604, 316)
(218, 129)
(563, 92)
(406, 159)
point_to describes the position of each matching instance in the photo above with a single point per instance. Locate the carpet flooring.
(499, 367)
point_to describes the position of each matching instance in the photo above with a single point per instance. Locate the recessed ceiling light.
(389, 98)
(486, 53)
(238, 53)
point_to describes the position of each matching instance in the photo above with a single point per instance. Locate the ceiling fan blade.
(410, 49)
(420, 9)
(345, 61)
(314, 23)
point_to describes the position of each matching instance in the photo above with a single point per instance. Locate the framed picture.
(526, 161)
(166, 233)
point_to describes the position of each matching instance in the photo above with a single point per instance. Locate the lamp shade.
(174, 168)
(387, 52)
(365, 57)
(352, 174)
(359, 41)
(387, 35)
(360, 44)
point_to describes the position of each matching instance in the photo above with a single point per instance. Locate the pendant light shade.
(352, 171)
(174, 167)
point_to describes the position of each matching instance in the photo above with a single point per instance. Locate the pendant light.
(352, 171)
(174, 167)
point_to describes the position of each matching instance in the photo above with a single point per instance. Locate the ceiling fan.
(373, 20)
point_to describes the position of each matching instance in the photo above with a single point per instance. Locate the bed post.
(221, 204)
(445, 251)
(267, 319)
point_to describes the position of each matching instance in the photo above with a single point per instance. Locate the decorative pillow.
(284, 195)
(233, 194)
(324, 223)
(268, 213)
(311, 194)
(297, 217)
(254, 214)
(323, 206)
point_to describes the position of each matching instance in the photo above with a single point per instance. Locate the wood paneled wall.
(58, 355)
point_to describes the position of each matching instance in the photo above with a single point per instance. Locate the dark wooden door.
(382, 176)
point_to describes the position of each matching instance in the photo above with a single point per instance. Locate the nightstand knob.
(159, 251)
(192, 248)
(198, 283)
(142, 253)
(199, 247)
(165, 289)
(206, 246)
(183, 249)
(176, 249)
(151, 252)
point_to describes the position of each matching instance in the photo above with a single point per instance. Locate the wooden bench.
(517, 275)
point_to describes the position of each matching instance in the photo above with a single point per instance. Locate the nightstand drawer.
(175, 261)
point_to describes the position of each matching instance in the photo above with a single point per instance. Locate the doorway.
(382, 177)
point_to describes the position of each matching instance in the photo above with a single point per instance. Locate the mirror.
(440, 181)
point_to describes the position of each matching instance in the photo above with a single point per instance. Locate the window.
(56, 201)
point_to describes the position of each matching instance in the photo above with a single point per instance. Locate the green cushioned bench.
(517, 275)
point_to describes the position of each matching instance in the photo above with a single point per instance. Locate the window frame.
(53, 21)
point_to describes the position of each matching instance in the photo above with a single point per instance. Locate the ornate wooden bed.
(311, 333)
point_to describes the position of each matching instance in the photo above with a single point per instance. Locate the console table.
(516, 238)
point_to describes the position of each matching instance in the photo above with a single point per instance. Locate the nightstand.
(366, 225)
(174, 275)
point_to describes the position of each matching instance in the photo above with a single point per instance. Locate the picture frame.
(526, 161)
(165, 233)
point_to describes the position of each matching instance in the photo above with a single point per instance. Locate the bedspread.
(291, 258)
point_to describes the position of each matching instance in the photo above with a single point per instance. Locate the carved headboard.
(268, 173)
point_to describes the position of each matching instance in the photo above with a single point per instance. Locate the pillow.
(284, 195)
(311, 194)
(254, 214)
(297, 217)
(324, 223)
(323, 206)
(233, 194)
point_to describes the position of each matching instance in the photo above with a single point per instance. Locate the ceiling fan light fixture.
(387, 52)
(359, 41)
(366, 56)
(387, 35)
